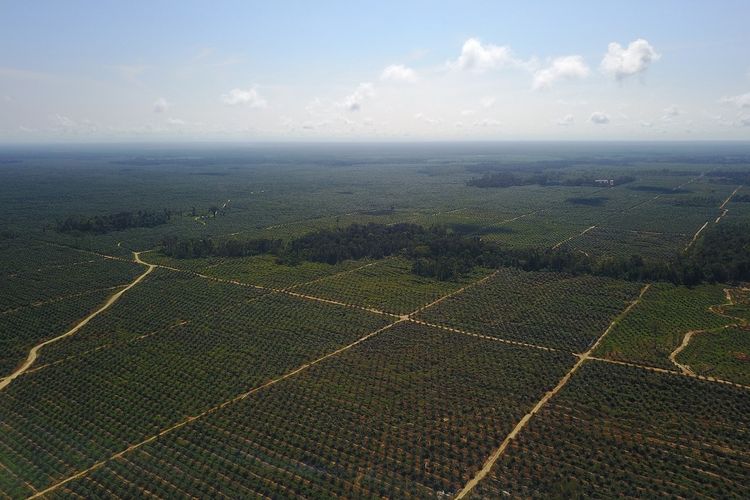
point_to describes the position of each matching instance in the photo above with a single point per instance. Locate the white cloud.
(430, 121)
(363, 92)
(566, 121)
(175, 121)
(487, 122)
(670, 113)
(488, 102)
(399, 73)
(741, 101)
(479, 58)
(63, 121)
(161, 105)
(646, 124)
(316, 107)
(622, 62)
(561, 68)
(744, 121)
(599, 118)
(574, 103)
(310, 125)
(249, 97)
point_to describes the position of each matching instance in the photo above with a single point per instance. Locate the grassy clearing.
(657, 325)
(388, 285)
(724, 354)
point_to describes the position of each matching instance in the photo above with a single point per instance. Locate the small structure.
(604, 182)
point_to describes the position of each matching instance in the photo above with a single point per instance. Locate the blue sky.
(109, 71)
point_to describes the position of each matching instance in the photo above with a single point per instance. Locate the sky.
(106, 71)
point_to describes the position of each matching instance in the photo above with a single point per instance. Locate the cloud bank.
(599, 118)
(249, 97)
(741, 101)
(620, 62)
(478, 57)
(561, 68)
(363, 92)
(399, 73)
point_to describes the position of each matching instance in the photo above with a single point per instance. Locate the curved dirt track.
(34, 352)
(717, 309)
(673, 356)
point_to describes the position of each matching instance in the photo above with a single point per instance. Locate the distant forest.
(100, 224)
(729, 176)
(723, 254)
(508, 179)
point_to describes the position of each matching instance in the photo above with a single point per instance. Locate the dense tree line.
(100, 224)
(194, 248)
(356, 241)
(722, 255)
(504, 179)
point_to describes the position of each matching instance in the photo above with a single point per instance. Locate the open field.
(373, 321)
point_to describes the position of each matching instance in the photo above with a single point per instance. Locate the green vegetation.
(507, 179)
(657, 325)
(25, 327)
(622, 431)
(33, 287)
(724, 354)
(196, 248)
(592, 201)
(409, 413)
(120, 221)
(133, 375)
(362, 323)
(388, 285)
(43, 302)
(550, 309)
(721, 256)
(621, 244)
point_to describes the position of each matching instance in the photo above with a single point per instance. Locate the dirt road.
(538, 406)
(34, 352)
